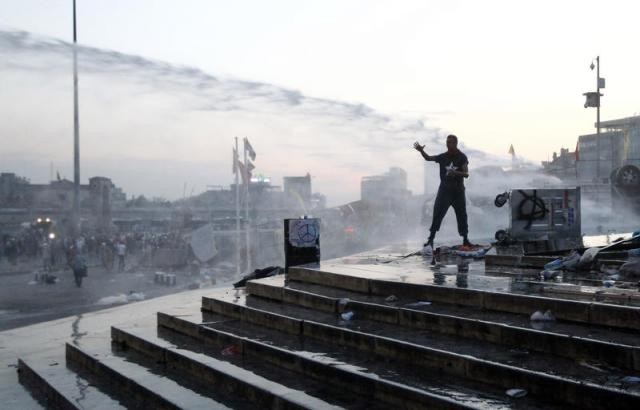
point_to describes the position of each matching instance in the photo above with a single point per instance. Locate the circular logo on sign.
(307, 233)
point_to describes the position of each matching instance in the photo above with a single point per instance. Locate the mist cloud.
(153, 126)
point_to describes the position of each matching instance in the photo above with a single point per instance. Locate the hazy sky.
(493, 72)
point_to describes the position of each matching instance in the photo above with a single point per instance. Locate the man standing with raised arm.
(453, 169)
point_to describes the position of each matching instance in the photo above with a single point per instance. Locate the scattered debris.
(608, 283)
(519, 352)
(347, 316)
(167, 279)
(391, 299)
(230, 351)
(588, 256)
(538, 316)
(259, 274)
(549, 274)
(553, 265)
(630, 379)
(121, 298)
(571, 261)
(631, 268)
(418, 304)
(516, 393)
(134, 296)
(591, 366)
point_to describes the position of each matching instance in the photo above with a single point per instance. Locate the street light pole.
(598, 93)
(76, 133)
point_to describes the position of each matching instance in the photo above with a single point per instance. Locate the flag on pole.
(249, 149)
(245, 171)
(235, 161)
(512, 152)
(250, 167)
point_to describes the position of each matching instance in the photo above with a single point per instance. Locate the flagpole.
(76, 133)
(246, 206)
(235, 168)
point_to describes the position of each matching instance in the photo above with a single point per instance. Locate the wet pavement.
(393, 264)
(23, 301)
(42, 344)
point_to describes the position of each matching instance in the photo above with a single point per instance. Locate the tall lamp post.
(593, 100)
(76, 133)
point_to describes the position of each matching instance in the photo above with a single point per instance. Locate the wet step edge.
(56, 387)
(392, 393)
(573, 347)
(545, 387)
(137, 386)
(227, 378)
(595, 313)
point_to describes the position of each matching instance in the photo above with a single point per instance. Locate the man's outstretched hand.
(418, 147)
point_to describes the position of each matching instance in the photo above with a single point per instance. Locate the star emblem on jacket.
(450, 168)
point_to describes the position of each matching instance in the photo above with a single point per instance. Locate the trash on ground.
(516, 393)
(549, 274)
(608, 283)
(390, 298)
(259, 274)
(538, 316)
(418, 304)
(347, 315)
(134, 296)
(553, 265)
(631, 268)
(633, 253)
(519, 352)
(112, 300)
(591, 366)
(571, 261)
(630, 379)
(588, 256)
(230, 350)
(474, 251)
(121, 298)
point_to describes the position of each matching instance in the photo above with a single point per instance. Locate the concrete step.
(396, 345)
(189, 362)
(311, 361)
(564, 345)
(136, 386)
(57, 387)
(601, 314)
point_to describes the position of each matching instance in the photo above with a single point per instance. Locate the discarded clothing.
(259, 274)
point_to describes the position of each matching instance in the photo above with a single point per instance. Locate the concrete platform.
(457, 335)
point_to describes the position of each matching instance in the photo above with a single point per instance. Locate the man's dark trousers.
(450, 196)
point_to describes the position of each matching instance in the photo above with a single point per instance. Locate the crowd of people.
(111, 252)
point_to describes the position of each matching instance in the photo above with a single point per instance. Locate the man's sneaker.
(466, 242)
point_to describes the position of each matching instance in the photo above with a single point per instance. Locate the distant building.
(562, 166)
(388, 187)
(97, 199)
(297, 191)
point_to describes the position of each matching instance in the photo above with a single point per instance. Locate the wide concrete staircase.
(317, 339)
